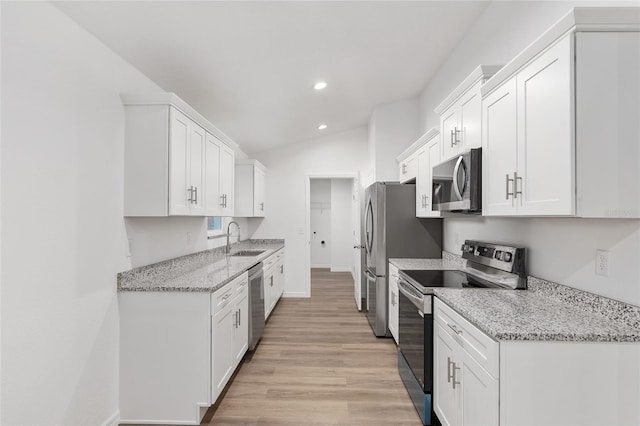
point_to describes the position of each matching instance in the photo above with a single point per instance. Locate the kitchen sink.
(248, 253)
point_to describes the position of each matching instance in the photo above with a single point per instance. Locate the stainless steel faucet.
(228, 234)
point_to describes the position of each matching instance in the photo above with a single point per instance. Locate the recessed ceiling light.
(320, 85)
(322, 127)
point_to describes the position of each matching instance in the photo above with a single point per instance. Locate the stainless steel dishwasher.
(256, 304)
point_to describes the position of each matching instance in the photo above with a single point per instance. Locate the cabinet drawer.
(222, 297)
(478, 345)
(270, 261)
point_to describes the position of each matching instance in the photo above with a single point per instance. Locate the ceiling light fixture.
(322, 127)
(320, 85)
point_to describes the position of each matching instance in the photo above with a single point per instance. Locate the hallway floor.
(318, 363)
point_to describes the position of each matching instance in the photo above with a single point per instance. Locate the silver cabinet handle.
(449, 375)
(454, 136)
(515, 185)
(190, 191)
(271, 281)
(455, 329)
(282, 269)
(194, 194)
(453, 375)
(507, 189)
(222, 200)
(239, 317)
(404, 168)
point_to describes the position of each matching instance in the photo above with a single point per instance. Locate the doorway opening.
(333, 231)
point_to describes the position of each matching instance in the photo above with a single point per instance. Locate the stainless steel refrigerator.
(391, 230)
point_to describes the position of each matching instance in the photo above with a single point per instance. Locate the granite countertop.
(205, 271)
(449, 262)
(547, 311)
(528, 315)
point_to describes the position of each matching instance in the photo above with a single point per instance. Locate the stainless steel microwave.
(457, 183)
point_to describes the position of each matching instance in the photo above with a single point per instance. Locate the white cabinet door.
(259, 192)
(240, 327)
(450, 136)
(499, 145)
(179, 178)
(446, 399)
(393, 302)
(546, 153)
(186, 166)
(470, 123)
(214, 201)
(268, 292)
(222, 337)
(479, 393)
(227, 174)
(197, 157)
(220, 176)
(423, 188)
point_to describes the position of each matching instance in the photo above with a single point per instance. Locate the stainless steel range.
(488, 266)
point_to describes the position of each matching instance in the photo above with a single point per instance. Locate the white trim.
(113, 420)
(426, 137)
(254, 163)
(323, 266)
(159, 422)
(170, 98)
(296, 294)
(481, 73)
(307, 212)
(577, 19)
(341, 269)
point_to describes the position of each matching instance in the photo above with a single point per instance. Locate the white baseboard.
(353, 275)
(321, 266)
(340, 269)
(304, 294)
(158, 422)
(113, 420)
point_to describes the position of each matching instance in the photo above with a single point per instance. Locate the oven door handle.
(403, 287)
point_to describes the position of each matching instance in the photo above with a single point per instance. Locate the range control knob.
(467, 248)
(498, 254)
(507, 257)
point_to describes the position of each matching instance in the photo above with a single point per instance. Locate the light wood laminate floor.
(318, 363)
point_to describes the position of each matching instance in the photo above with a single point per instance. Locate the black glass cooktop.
(434, 278)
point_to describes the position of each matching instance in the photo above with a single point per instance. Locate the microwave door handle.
(456, 170)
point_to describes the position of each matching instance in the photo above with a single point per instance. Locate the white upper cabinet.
(186, 165)
(250, 189)
(219, 182)
(428, 156)
(169, 160)
(407, 166)
(560, 134)
(416, 164)
(460, 114)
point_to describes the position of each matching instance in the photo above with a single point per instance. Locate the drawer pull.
(453, 376)
(449, 375)
(455, 329)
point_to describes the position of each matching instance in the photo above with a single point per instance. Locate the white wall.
(321, 223)
(341, 226)
(62, 206)
(393, 127)
(561, 250)
(286, 185)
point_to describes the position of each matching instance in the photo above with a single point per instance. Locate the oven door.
(415, 329)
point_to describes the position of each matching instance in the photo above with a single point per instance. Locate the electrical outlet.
(602, 263)
(188, 238)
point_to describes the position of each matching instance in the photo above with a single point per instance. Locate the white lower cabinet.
(465, 393)
(479, 381)
(229, 332)
(178, 351)
(393, 301)
(273, 268)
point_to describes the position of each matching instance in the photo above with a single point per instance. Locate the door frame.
(307, 206)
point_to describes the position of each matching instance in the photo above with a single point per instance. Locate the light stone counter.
(205, 271)
(547, 311)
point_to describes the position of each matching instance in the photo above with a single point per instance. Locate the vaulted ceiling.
(249, 67)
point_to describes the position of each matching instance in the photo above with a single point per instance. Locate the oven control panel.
(503, 257)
